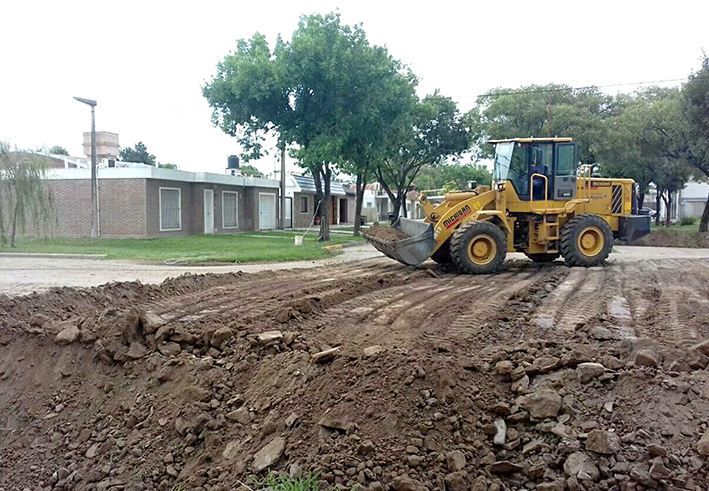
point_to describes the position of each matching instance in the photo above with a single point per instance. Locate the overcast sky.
(145, 62)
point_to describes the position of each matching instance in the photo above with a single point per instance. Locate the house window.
(170, 209)
(304, 204)
(230, 209)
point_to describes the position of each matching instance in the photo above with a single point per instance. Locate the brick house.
(144, 201)
(301, 203)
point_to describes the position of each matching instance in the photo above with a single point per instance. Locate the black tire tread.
(568, 243)
(443, 254)
(458, 247)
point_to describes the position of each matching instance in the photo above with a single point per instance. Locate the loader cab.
(537, 168)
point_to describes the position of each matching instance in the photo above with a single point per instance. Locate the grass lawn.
(244, 247)
(678, 228)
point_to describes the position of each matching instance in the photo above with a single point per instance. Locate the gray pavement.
(22, 275)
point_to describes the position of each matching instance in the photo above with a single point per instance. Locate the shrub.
(688, 221)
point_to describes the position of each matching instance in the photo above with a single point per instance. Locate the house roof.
(148, 172)
(307, 185)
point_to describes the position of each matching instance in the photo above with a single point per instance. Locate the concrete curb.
(49, 255)
(343, 245)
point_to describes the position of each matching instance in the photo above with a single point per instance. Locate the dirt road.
(368, 373)
(24, 275)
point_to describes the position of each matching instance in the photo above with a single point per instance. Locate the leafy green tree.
(695, 113)
(429, 134)
(391, 97)
(451, 177)
(250, 171)
(167, 165)
(139, 153)
(541, 111)
(24, 196)
(311, 91)
(250, 95)
(644, 141)
(58, 150)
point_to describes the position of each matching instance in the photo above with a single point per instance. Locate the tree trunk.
(403, 207)
(15, 215)
(704, 223)
(668, 208)
(359, 196)
(658, 203)
(641, 200)
(325, 208)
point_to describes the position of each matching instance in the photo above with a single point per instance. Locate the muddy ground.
(673, 238)
(370, 374)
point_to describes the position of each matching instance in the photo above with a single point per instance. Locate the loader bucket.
(414, 249)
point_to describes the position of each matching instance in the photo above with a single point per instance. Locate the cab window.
(565, 160)
(518, 170)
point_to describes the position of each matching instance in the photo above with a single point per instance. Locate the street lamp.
(94, 186)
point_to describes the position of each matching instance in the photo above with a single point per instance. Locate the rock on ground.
(269, 454)
(543, 403)
(68, 334)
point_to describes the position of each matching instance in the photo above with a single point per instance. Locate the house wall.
(193, 207)
(301, 220)
(121, 207)
(187, 201)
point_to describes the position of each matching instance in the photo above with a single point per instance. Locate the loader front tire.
(478, 248)
(586, 240)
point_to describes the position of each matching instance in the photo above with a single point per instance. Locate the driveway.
(24, 275)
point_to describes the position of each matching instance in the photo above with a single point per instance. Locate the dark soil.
(673, 238)
(372, 375)
(387, 234)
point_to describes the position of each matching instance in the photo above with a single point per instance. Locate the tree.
(644, 142)
(391, 96)
(24, 197)
(167, 165)
(541, 111)
(139, 153)
(451, 177)
(311, 91)
(250, 171)
(695, 112)
(430, 133)
(58, 150)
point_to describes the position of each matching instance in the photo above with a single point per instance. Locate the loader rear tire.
(542, 257)
(586, 240)
(478, 248)
(443, 254)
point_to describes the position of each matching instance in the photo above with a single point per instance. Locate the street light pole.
(94, 183)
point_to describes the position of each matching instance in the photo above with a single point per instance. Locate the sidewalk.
(24, 275)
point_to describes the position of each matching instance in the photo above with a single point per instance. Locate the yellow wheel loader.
(541, 203)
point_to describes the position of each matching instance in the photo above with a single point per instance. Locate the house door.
(289, 213)
(266, 211)
(208, 211)
(343, 210)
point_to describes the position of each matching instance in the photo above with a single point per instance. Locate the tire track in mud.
(469, 320)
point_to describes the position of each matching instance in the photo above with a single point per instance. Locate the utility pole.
(94, 183)
(283, 184)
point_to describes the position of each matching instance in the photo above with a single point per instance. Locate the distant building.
(689, 202)
(137, 200)
(301, 202)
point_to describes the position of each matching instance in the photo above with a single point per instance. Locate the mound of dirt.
(372, 375)
(387, 234)
(673, 238)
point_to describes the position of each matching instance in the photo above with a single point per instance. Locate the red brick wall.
(121, 207)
